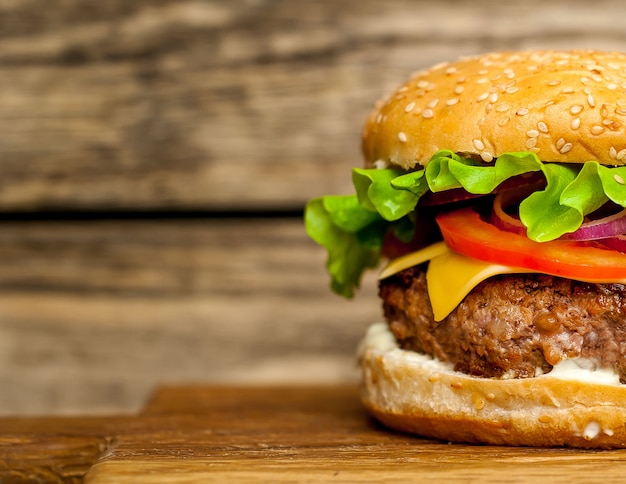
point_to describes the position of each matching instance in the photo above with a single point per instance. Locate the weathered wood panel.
(95, 315)
(194, 105)
(173, 104)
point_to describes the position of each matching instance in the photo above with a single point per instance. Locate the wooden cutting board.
(199, 434)
(278, 434)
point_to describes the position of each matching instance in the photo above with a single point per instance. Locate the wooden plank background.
(154, 159)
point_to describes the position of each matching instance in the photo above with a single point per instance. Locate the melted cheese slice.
(451, 276)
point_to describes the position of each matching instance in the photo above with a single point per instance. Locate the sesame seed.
(503, 121)
(461, 80)
(482, 80)
(483, 96)
(512, 90)
(587, 90)
(379, 118)
(576, 109)
(451, 70)
(428, 113)
(531, 142)
(567, 90)
(591, 100)
(612, 124)
(620, 111)
(501, 108)
(597, 129)
(612, 152)
(422, 84)
(433, 103)
(554, 82)
(532, 133)
(493, 98)
(618, 179)
(409, 107)
(522, 112)
(434, 377)
(604, 111)
(575, 123)
(597, 78)
(612, 86)
(543, 127)
(483, 72)
(559, 144)
(565, 148)
(459, 89)
(452, 102)
(403, 89)
(585, 80)
(486, 156)
(621, 155)
(402, 136)
(479, 145)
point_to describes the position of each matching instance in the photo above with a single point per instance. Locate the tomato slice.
(465, 232)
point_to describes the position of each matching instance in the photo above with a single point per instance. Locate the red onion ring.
(503, 220)
(602, 228)
(616, 243)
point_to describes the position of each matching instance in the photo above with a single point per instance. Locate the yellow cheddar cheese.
(451, 276)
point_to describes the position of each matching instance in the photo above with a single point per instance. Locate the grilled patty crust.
(514, 326)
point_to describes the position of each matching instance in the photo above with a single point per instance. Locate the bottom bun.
(414, 393)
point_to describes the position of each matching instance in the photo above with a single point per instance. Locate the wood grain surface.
(114, 112)
(316, 434)
(94, 315)
(268, 434)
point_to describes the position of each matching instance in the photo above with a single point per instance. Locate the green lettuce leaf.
(542, 213)
(335, 223)
(481, 179)
(375, 192)
(352, 227)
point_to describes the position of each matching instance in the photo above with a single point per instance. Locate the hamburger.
(494, 191)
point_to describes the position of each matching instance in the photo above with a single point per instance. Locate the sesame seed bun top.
(564, 106)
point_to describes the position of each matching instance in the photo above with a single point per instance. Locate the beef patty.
(512, 325)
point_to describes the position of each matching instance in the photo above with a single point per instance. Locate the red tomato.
(465, 232)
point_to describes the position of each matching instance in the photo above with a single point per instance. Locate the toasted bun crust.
(413, 393)
(565, 106)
